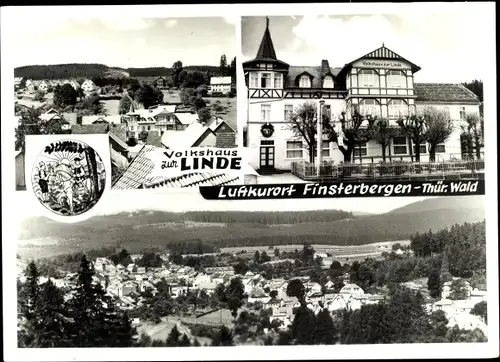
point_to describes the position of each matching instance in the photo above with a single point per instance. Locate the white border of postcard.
(233, 12)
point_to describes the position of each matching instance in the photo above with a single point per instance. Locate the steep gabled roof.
(136, 176)
(386, 53)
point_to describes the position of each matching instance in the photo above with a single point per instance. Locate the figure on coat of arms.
(68, 177)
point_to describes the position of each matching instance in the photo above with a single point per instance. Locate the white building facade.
(380, 83)
(220, 85)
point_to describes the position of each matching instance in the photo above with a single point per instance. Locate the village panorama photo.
(145, 95)
(157, 273)
(388, 110)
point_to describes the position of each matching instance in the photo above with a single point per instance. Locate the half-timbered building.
(380, 83)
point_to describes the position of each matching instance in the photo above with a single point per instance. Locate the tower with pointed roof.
(265, 73)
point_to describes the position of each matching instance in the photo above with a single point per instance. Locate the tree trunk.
(477, 146)
(432, 153)
(384, 146)
(417, 151)
(311, 154)
(91, 158)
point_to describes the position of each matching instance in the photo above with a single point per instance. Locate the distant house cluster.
(45, 85)
(219, 86)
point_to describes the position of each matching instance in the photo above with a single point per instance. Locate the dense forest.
(63, 71)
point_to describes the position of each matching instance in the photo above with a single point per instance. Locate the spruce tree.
(184, 341)
(325, 332)
(96, 321)
(29, 305)
(52, 331)
(173, 337)
(223, 337)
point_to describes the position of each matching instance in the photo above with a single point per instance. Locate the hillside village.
(137, 115)
(194, 287)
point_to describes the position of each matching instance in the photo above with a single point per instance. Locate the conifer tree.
(173, 337)
(325, 330)
(223, 338)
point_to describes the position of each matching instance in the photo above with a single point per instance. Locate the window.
(423, 149)
(288, 111)
(368, 78)
(265, 80)
(397, 108)
(369, 107)
(305, 82)
(265, 112)
(462, 112)
(325, 150)
(360, 150)
(278, 83)
(267, 142)
(441, 148)
(254, 80)
(328, 82)
(149, 128)
(400, 145)
(294, 149)
(396, 79)
(327, 110)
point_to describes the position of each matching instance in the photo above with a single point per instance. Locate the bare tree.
(438, 128)
(414, 127)
(352, 132)
(303, 123)
(475, 130)
(384, 133)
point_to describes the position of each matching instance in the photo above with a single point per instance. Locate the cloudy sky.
(447, 46)
(124, 42)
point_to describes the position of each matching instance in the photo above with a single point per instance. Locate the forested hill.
(64, 71)
(441, 203)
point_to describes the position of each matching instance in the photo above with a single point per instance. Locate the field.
(111, 106)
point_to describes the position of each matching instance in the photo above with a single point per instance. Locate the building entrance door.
(267, 154)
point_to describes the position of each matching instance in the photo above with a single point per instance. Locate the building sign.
(267, 130)
(381, 64)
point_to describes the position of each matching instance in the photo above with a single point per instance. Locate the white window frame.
(278, 80)
(396, 79)
(422, 145)
(368, 78)
(394, 145)
(439, 147)
(304, 81)
(366, 109)
(360, 148)
(462, 112)
(265, 112)
(287, 149)
(254, 80)
(325, 148)
(397, 110)
(288, 111)
(328, 82)
(267, 76)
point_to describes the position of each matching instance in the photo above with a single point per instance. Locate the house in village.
(380, 83)
(17, 82)
(88, 86)
(219, 86)
(447, 290)
(160, 83)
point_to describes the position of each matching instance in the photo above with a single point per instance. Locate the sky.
(447, 46)
(124, 42)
